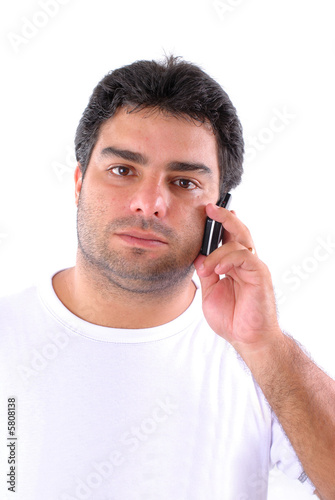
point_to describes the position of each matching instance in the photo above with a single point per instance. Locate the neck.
(90, 295)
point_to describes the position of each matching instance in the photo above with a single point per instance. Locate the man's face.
(141, 207)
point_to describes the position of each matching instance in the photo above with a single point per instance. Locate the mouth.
(143, 239)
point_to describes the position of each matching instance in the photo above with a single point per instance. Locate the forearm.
(241, 308)
(303, 398)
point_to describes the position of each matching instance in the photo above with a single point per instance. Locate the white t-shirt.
(164, 413)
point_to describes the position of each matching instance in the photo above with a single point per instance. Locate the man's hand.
(241, 306)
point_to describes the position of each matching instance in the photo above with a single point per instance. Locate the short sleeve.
(284, 457)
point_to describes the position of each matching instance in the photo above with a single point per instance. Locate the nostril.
(150, 202)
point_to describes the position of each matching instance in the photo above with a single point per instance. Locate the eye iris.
(184, 183)
(123, 170)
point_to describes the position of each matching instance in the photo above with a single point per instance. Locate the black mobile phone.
(213, 229)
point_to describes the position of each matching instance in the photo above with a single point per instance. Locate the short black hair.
(177, 88)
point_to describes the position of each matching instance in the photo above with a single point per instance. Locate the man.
(127, 377)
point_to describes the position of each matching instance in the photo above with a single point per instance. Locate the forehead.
(158, 134)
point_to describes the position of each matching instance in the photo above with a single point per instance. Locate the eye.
(121, 171)
(185, 184)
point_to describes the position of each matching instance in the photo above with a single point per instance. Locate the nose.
(149, 199)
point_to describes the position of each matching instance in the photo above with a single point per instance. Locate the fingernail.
(201, 268)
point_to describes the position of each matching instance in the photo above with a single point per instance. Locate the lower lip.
(140, 242)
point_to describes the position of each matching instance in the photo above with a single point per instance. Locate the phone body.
(213, 230)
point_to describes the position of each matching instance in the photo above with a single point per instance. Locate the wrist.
(267, 350)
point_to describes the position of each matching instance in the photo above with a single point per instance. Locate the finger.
(199, 261)
(207, 279)
(207, 265)
(235, 230)
(242, 266)
(241, 258)
(238, 263)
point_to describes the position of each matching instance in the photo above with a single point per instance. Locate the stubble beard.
(131, 269)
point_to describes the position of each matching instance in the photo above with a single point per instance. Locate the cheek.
(106, 201)
(193, 226)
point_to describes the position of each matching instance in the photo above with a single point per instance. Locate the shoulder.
(15, 305)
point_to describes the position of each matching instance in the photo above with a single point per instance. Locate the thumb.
(206, 280)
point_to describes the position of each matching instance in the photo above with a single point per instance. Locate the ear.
(78, 182)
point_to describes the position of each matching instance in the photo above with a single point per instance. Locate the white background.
(271, 57)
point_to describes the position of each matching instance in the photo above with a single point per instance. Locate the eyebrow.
(125, 154)
(174, 166)
(181, 166)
